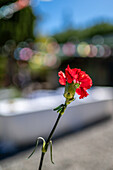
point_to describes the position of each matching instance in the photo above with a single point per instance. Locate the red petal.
(75, 72)
(62, 79)
(68, 77)
(82, 92)
(68, 74)
(72, 74)
(85, 80)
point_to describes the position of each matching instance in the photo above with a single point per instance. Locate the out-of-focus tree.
(15, 29)
(83, 34)
(19, 27)
(6, 2)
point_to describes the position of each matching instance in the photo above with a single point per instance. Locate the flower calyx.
(70, 89)
(61, 108)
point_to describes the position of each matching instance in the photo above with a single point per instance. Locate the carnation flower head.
(75, 80)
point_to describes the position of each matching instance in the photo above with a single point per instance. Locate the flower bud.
(70, 90)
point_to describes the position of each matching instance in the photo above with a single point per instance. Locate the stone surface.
(90, 149)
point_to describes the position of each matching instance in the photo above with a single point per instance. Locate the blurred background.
(38, 38)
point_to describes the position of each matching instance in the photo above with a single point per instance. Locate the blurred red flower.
(76, 76)
(23, 3)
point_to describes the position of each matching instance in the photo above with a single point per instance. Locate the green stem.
(48, 141)
(55, 125)
(41, 160)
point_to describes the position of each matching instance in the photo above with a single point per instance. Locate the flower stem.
(41, 160)
(48, 141)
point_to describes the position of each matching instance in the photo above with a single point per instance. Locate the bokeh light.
(17, 53)
(100, 50)
(107, 51)
(37, 60)
(50, 60)
(93, 51)
(8, 47)
(53, 48)
(83, 49)
(26, 54)
(7, 11)
(68, 49)
(98, 39)
(23, 44)
(23, 3)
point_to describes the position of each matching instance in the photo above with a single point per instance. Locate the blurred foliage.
(6, 2)
(3, 62)
(81, 35)
(19, 27)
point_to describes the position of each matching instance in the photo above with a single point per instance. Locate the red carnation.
(76, 76)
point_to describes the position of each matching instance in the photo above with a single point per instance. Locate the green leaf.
(57, 108)
(37, 141)
(51, 152)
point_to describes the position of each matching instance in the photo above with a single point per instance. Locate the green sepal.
(60, 109)
(44, 150)
(51, 152)
(37, 141)
(57, 108)
(77, 85)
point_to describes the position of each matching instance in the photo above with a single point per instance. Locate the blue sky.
(60, 14)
